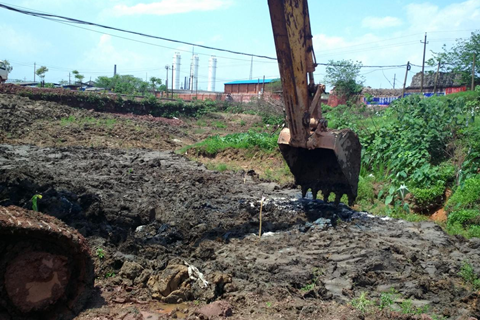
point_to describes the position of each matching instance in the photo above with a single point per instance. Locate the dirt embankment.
(166, 230)
(49, 124)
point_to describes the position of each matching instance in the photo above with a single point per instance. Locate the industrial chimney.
(176, 71)
(194, 72)
(212, 71)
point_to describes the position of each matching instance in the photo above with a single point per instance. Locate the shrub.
(466, 196)
(425, 196)
(463, 217)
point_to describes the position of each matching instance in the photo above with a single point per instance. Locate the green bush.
(411, 139)
(466, 196)
(463, 217)
(425, 196)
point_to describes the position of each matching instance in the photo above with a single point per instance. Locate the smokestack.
(193, 72)
(176, 70)
(212, 71)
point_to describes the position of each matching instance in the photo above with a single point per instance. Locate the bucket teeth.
(326, 194)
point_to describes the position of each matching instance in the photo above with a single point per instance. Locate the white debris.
(139, 228)
(196, 275)
(268, 234)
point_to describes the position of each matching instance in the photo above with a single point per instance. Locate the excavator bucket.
(330, 165)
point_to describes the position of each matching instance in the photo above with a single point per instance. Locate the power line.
(62, 19)
(72, 21)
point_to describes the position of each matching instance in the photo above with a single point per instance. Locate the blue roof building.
(247, 86)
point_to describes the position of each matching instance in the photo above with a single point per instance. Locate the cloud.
(380, 23)
(167, 7)
(442, 23)
(105, 53)
(15, 41)
(429, 17)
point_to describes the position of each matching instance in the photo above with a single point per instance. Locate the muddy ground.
(172, 239)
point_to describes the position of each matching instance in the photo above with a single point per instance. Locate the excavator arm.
(319, 158)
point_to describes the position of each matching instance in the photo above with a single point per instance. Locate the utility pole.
(34, 70)
(405, 81)
(69, 78)
(436, 77)
(114, 70)
(251, 69)
(423, 62)
(172, 80)
(196, 88)
(394, 78)
(167, 67)
(473, 73)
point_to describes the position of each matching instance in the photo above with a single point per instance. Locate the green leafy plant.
(100, 253)
(388, 298)
(316, 273)
(362, 303)
(466, 196)
(35, 201)
(468, 275)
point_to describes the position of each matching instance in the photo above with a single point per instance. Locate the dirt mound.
(49, 124)
(159, 210)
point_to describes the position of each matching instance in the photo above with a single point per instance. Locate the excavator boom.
(320, 159)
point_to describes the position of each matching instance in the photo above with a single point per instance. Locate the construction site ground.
(172, 239)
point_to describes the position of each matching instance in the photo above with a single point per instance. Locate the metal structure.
(320, 159)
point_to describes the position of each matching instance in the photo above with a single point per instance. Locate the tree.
(155, 83)
(78, 76)
(124, 84)
(459, 58)
(344, 75)
(8, 66)
(274, 86)
(41, 72)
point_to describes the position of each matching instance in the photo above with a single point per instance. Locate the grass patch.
(219, 124)
(81, 121)
(389, 300)
(247, 140)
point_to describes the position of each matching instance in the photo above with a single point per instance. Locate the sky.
(376, 33)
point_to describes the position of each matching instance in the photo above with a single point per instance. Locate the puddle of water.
(166, 308)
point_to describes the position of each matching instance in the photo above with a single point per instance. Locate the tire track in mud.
(155, 207)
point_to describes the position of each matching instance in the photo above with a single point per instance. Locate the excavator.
(320, 159)
(46, 271)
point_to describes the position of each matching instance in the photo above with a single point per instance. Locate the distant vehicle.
(4, 71)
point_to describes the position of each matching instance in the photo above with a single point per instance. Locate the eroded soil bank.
(169, 236)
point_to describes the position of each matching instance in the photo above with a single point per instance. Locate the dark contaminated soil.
(171, 239)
